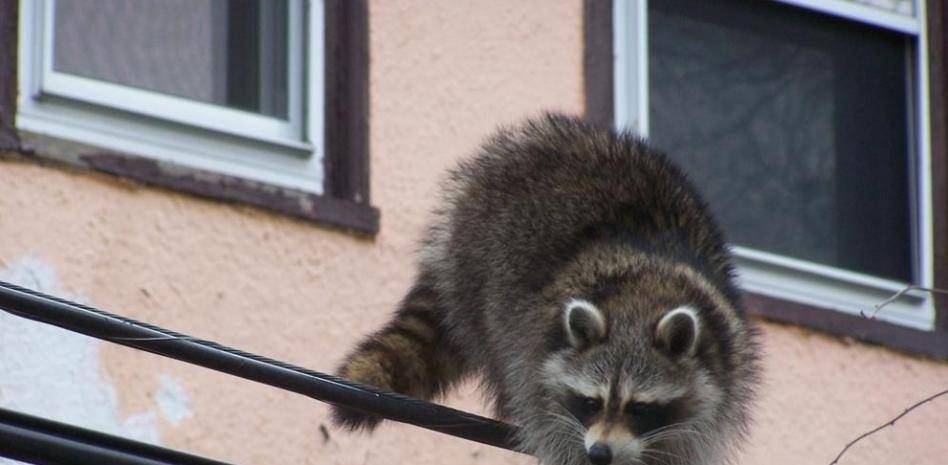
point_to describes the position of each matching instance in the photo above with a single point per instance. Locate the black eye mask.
(644, 418)
(583, 408)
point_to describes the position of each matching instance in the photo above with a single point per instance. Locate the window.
(217, 89)
(218, 64)
(805, 125)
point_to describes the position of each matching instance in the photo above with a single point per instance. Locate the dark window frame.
(345, 203)
(600, 109)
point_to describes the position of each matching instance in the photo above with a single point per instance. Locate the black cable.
(79, 318)
(39, 441)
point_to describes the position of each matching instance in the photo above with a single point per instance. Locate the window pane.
(226, 52)
(793, 124)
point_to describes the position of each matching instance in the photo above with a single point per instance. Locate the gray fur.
(554, 210)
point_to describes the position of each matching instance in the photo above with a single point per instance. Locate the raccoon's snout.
(600, 454)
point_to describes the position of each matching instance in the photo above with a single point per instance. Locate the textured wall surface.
(443, 75)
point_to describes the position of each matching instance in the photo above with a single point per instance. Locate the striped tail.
(410, 355)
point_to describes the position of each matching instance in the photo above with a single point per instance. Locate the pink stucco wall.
(443, 75)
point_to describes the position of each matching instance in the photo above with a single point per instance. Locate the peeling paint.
(56, 374)
(337, 212)
(172, 400)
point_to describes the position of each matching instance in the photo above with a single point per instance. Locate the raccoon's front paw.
(352, 419)
(364, 369)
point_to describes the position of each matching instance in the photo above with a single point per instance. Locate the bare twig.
(886, 424)
(877, 307)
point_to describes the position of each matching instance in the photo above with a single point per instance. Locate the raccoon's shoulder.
(536, 192)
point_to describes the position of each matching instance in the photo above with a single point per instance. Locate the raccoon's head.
(638, 388)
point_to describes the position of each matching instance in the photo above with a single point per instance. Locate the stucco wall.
(443, 75)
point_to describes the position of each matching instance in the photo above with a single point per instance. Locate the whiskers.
(677, 443)
(674, 430)
(555, 437)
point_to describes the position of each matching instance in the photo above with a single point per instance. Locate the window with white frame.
(226, 86)
(804, 124)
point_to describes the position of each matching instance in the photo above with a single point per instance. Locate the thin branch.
(907, 289)
(878, 307)
(886, 424)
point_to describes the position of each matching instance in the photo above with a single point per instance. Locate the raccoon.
(580, 275)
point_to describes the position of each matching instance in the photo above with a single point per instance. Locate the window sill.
(346, 215)
(913, 341)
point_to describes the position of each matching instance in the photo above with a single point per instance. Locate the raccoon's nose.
(600, 454)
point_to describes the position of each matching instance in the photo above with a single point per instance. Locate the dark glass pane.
(794, 125)
(226, 52)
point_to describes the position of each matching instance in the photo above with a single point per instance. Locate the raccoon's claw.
(352, 419)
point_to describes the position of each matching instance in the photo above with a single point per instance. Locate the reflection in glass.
(792, 123)
(226, 52)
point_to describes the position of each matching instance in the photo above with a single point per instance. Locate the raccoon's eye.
(591, 404)
(646, 417)
(639, 409)
(583, 408)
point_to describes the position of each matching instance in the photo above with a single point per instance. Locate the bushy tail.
(410, 355)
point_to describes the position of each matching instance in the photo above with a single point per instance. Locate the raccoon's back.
(537, 193)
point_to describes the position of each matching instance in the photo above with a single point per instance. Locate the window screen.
(226, 52)
(795, 126)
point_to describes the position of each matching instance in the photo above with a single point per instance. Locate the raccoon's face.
(634, 390)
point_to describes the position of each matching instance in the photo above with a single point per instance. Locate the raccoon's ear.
(584, 324)
(677, 332)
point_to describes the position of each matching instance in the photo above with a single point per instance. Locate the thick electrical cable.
(40, 441)
(93, 322)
